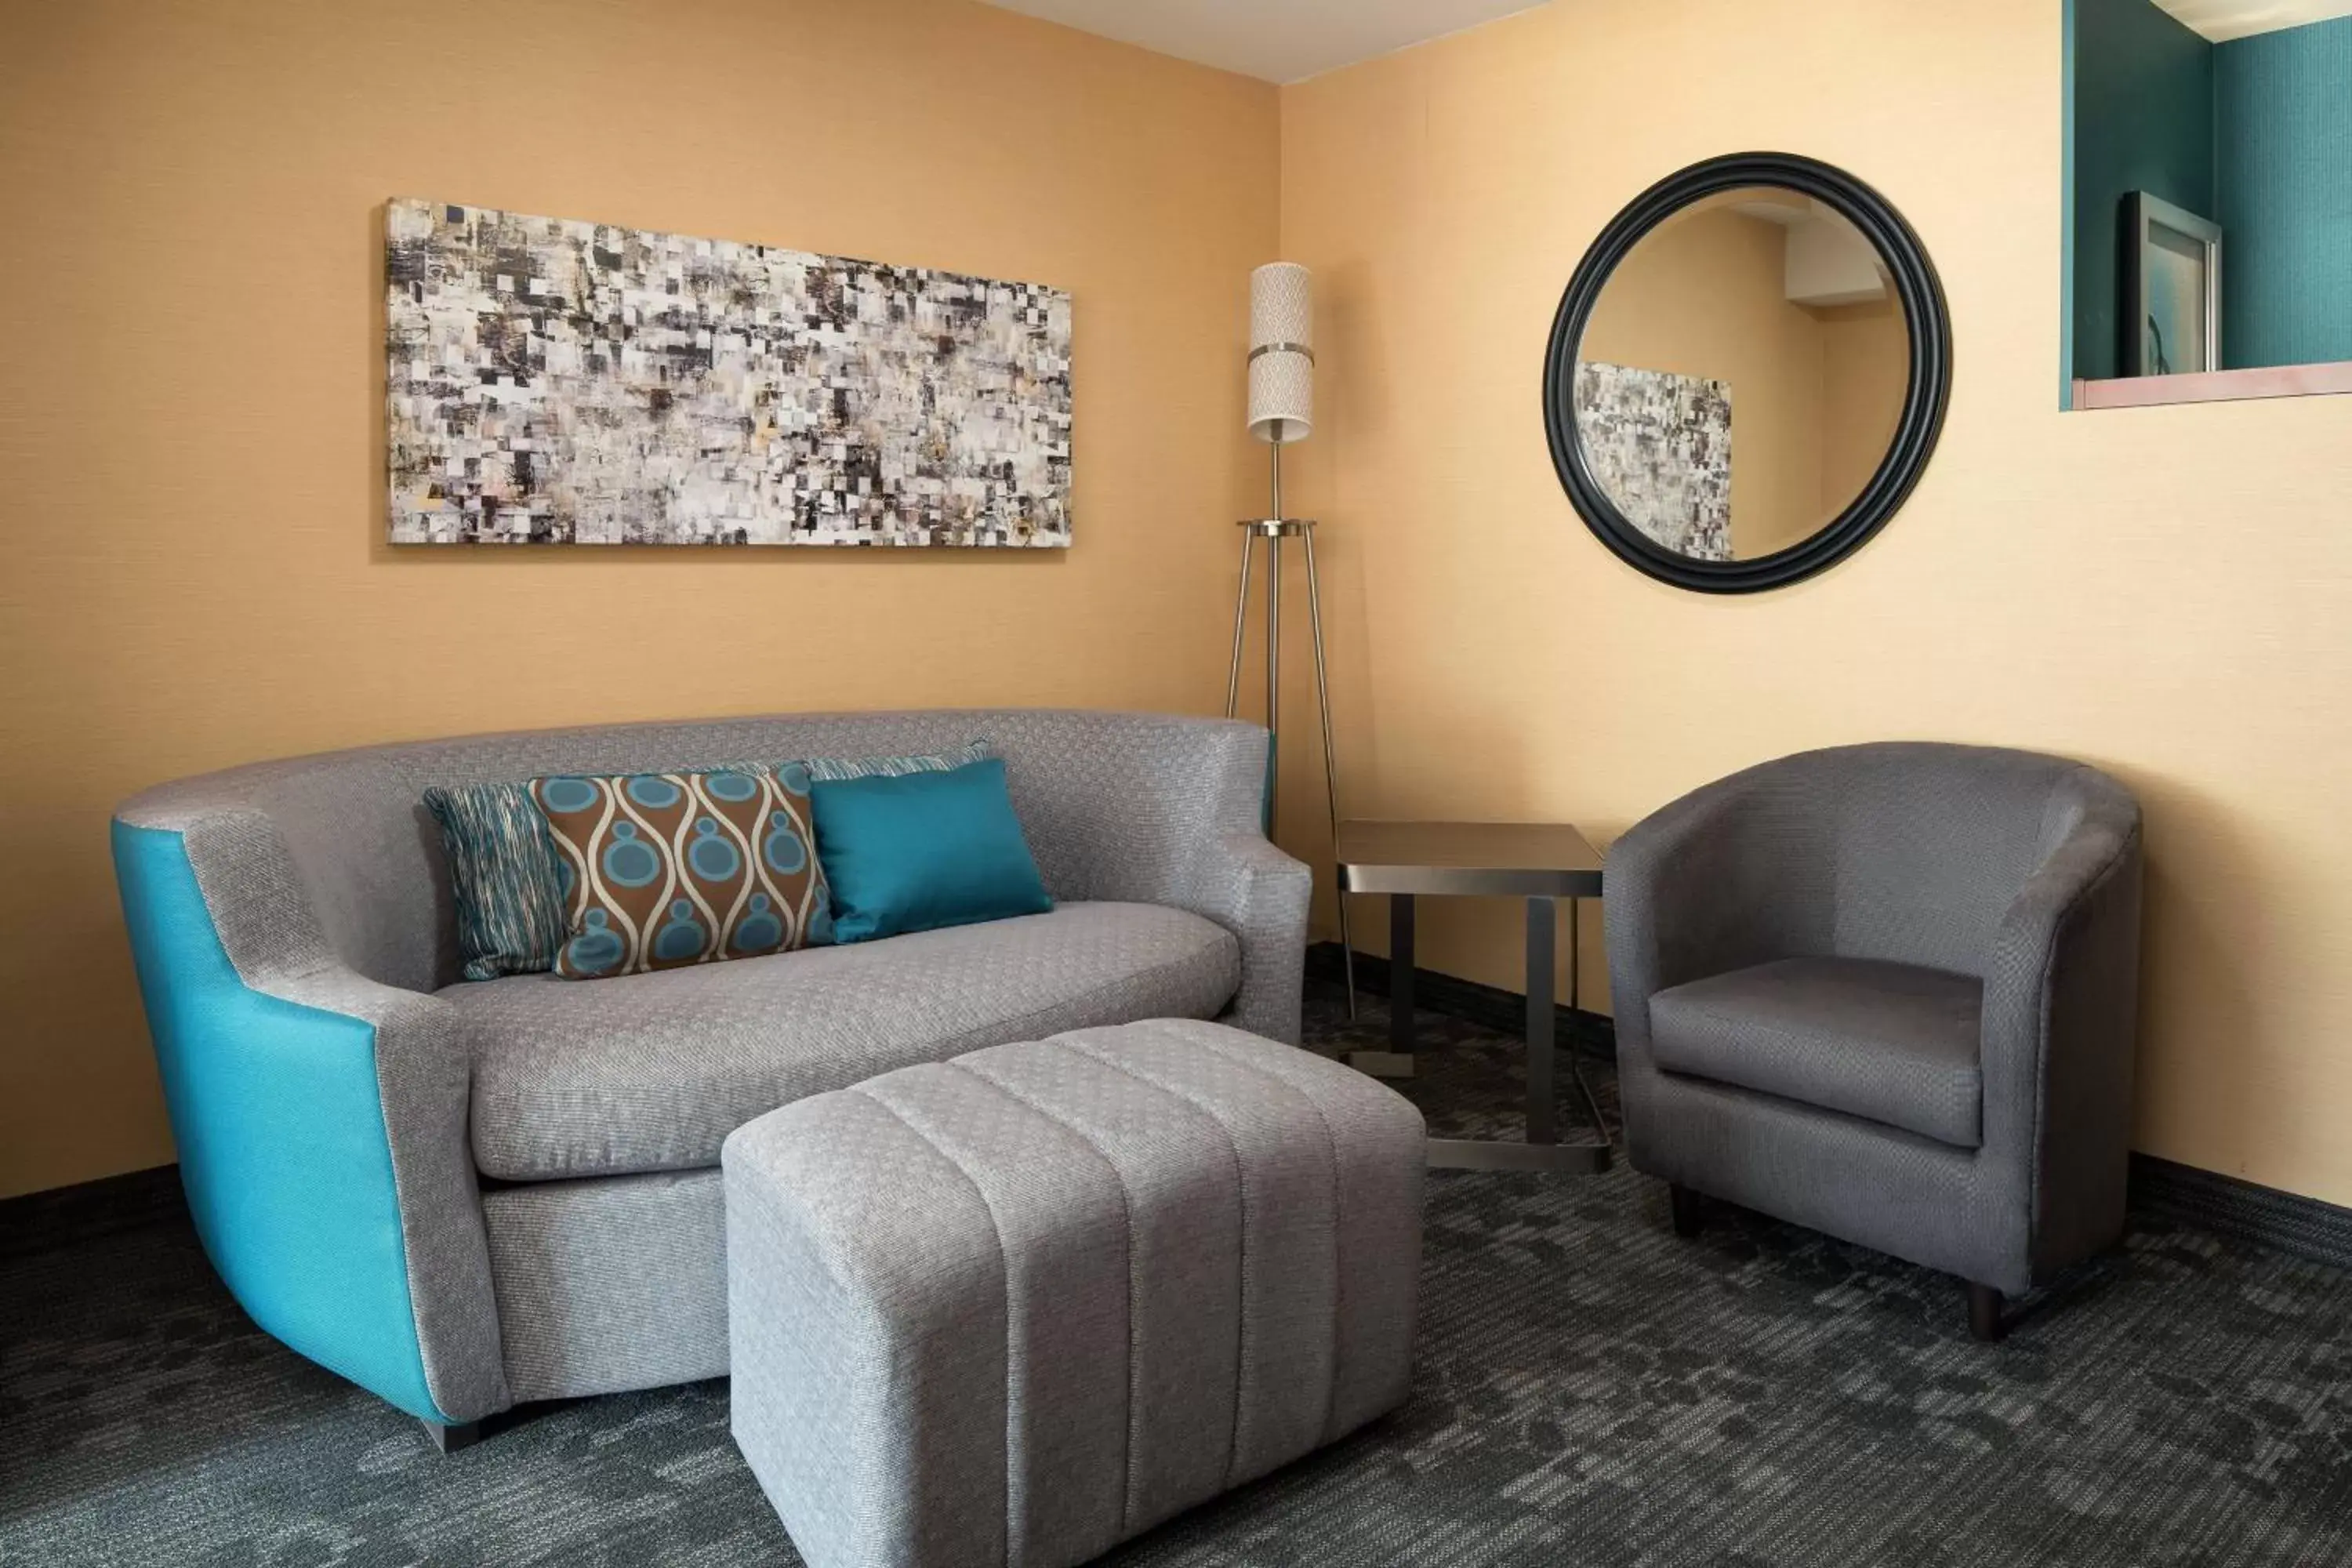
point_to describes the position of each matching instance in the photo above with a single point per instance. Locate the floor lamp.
(1282, 410)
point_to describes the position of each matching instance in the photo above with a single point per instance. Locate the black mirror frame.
(1926, 316)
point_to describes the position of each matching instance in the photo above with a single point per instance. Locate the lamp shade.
(1282, 354)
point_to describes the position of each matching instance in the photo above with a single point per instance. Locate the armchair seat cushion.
(1893, 1043)
(650, 1072)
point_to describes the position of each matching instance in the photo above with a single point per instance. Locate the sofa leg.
(1685, 1205)
(451, 1437)
(1984, 1312)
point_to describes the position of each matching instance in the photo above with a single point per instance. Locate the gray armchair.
(1888, 992)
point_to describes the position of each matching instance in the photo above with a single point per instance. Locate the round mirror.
(1747, 373)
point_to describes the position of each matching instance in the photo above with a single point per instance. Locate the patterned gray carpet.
(1592, 1391)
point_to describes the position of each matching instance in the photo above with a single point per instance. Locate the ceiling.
(2221, 21)
(1289, 40)
(1278, 40)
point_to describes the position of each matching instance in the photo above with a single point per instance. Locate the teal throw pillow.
(920, 851)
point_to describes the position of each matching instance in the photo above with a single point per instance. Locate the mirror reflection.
(1742, 374)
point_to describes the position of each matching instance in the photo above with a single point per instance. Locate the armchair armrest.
(2059, 1029)
(1688, 893)
(320, 1119)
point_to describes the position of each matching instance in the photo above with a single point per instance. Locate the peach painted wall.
(191, 404)
(1865, 369)
(191, 457)
(2164, 592)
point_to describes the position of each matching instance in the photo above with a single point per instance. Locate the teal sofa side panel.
(280, 1128)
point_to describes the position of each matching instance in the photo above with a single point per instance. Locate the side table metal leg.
(1542, 1150)
(1543, 1104)
(1330, 759)
(1575, 1008)
(1397, 1060)
(1400, 972)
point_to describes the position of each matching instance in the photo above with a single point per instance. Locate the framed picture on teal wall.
(2171, 290)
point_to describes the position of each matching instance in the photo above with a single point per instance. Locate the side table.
(1540, 862)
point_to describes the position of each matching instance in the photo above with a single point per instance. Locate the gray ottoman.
(1018, 1307)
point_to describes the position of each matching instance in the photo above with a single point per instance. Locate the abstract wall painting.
(553, 381)
(1660, 444)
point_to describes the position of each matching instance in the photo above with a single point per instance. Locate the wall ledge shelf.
(2215, 387)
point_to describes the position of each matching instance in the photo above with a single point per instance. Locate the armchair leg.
(1685, 1205)
(1984, 1312)
(450, 1438)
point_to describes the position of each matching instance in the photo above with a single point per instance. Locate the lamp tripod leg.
(1330, 764)
(1272, 683)
(1240, 615)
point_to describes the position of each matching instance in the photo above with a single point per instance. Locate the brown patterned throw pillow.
(662, 870)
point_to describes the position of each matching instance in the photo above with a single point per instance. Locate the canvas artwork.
(2174, 267)
(553, 381)
(1660, 444)
(2170, 293)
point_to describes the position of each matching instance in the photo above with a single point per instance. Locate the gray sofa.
(463, 1196)
(1889, 992)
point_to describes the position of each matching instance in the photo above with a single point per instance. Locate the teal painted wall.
(2143, 120)
(2066, 27)
(2283, 113)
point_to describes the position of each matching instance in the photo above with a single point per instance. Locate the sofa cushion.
(1890, 1042)
(664, 870)
(507, 881)
(650, 1072)
(511, 905)
(923, 852)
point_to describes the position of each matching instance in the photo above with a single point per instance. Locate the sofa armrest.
(320, 1119)
(1159, 808)
(1244, 883)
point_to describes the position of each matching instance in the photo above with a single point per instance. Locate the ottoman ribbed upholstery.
(1018, 1307)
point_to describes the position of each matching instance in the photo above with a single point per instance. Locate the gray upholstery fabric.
(1246, 884)
(327, 870)
(1889, 1042)
(610, 1285)
(650, 1072)
(1133, 808)
(2022, 871)
(1018, 1307)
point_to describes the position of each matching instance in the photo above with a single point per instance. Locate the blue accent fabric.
(924, 850)
(280, 1128)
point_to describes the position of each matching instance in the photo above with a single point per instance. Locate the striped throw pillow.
(505, 876)
(830, 768)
